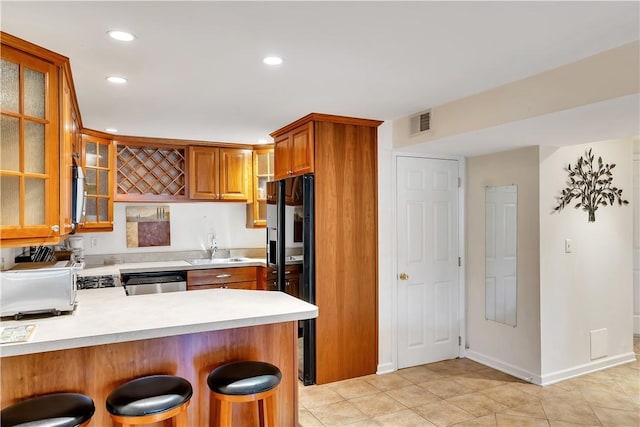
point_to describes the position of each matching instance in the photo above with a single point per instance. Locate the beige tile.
(572, 411)
(446, 388)
(387, 381)
(553, 392)
(377, 404)
(412, 396)
(306, 419)
(504, 420)
(476, 381)
(406, 418)
(365, 423)
(556, 423)
(509, 395)
(337, 414)
(470, 365)
(486, 421)
(617, 417)
(351, 389)
(449, 368)
(608, 399)
(419, 374)
(531, 409)
(443, 413)
(492, 374)
(477, 404)
(313, 396)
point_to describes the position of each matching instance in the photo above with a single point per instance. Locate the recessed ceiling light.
(272, 60)
(116, 79)
(123, 36)
(112, 130)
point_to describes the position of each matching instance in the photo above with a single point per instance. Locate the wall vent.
(419, 123)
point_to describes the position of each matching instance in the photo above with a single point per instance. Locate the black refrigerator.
(291, 256)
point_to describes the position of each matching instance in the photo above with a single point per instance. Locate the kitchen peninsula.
(111, 338)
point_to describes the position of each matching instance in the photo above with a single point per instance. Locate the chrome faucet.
(213, 247)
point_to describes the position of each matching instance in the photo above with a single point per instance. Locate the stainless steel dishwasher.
(156, 282)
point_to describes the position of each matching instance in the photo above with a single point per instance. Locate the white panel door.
(427, 207)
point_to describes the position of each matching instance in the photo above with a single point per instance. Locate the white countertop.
(107, 315)
(136, 267)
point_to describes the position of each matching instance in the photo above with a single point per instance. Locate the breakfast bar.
(111, 338)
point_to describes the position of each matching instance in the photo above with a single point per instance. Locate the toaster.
(43, 290)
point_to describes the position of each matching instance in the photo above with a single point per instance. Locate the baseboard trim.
(385, 368)
(507, 368)
(587, 368)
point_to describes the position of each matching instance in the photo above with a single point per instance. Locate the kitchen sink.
(206, 261)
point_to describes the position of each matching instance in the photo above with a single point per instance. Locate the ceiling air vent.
(420, 122)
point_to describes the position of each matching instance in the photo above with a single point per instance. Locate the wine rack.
(150, 173)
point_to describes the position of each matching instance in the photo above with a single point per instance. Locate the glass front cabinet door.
(29, 149)
(97, 159)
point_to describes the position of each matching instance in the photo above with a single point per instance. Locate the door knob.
(404, 276)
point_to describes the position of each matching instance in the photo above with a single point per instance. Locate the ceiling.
(195, 70)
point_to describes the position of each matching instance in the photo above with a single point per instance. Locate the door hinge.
(459, 340)
(459, 182)
(459, 262)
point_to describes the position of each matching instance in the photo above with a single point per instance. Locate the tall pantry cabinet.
(342, 154)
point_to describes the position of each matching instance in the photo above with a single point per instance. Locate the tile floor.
(464, 393)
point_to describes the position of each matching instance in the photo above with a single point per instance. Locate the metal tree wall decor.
(591, 186)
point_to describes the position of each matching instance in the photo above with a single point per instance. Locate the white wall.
(386, 252)
(636, 236)
(591, 287)
(511, 349)
(190, 224)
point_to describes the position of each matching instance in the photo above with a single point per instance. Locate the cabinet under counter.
(112, 338)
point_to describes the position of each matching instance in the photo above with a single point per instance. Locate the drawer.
(221, 275)
(236, 285)
(291, 270)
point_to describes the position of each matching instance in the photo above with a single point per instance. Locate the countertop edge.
(23, 348)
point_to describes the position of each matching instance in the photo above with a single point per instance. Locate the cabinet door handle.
(286, 283)
(287, 272)
(223, 276)
(274, 272)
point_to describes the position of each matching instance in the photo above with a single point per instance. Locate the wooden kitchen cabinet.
(232, 278)
(97, 159)
(344, 163)
(30, 153)
(294, 151)
(220, 174)
(70, 147)
(150, 171)
(262, 173)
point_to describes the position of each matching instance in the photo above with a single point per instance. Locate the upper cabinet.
(262, 173)
(293, 151)
(70, 142)
(220, 173)
(30, 155)
(97, 161)
(150, 172)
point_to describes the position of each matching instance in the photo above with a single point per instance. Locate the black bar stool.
(49, 410)
(149, 399)
(247, 381)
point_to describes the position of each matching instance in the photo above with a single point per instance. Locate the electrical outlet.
(567, 246)
(94, 242)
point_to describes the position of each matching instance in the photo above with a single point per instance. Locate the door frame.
(462, 315)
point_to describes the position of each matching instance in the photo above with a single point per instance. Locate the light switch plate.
(567, 246)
